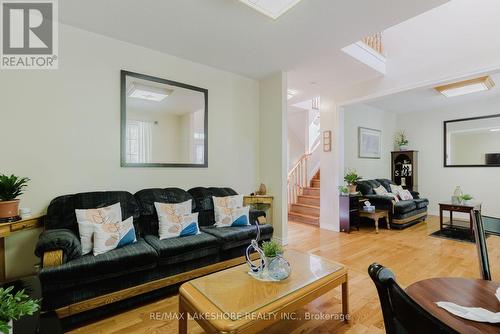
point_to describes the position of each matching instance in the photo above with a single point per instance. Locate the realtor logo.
(29, 34)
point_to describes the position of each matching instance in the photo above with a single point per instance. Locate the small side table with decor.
(376, 215)
(6, 229)
(457, 207)
(349, 211)
(261, 202)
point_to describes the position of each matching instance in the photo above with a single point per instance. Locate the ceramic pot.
(9, 209)
(352, 188)
(404, 147)
(11, 327)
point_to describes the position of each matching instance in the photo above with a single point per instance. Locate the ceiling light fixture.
(149, 93)
(495, 130)
(466, 87)
(271, 8)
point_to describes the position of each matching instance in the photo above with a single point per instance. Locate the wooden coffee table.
(231, 301)
(376, 215)
(457, 207)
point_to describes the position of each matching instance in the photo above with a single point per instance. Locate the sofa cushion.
(131, 258)
(404, 206)
(231, 237)
(366, 186)
(182, 249)
(204, 202)
(61, 210)
(386, 183)
(146, 198)
(421, 202)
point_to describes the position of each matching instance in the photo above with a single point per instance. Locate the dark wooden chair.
(401, 314)
(482, 251)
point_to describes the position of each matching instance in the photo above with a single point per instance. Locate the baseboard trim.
(120, 295)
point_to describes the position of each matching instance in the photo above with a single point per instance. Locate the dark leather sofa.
(79, 287)
(401, 214)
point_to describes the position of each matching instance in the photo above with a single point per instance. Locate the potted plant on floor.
(351, 178)
(402, 141)
(13, 306)
(11, 187)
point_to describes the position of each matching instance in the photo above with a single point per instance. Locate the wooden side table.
(452, 207)
(376, 215)
(261, 202)
(9, 228)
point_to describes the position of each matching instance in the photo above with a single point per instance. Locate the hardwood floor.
(411, 253)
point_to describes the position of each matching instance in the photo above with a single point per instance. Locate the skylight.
(271, 8)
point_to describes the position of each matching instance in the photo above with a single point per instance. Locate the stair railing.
(298, 177)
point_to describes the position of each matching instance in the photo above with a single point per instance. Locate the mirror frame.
(445, 123)
(123, 115)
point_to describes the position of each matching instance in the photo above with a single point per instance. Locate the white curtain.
(145, 142)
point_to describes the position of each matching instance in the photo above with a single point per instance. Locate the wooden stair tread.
(303, 215)
(313, 188)
(309, 196)
(306, 205)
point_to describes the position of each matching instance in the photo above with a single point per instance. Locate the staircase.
(306, 208)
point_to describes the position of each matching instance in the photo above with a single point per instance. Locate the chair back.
(401, 314)
(482, 251)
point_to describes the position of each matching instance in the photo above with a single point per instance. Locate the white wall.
(425, 132)
(273, 143)
(61, 128)
(361, 115)
(456, 39)
(331, 163)
(297, 125)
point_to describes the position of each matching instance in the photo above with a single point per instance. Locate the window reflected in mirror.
(164, 123)
(472, 142)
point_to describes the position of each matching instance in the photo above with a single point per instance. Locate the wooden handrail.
(298, 177)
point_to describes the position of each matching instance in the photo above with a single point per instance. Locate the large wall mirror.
(472, 142)
(163, 123)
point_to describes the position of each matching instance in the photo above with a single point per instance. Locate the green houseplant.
(351, 178)
(402, 141)
(13, 306)
(11, 187)
(465, 198)
(272, 249)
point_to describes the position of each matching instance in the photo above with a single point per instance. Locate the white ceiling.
(229, 35)
(428, 98)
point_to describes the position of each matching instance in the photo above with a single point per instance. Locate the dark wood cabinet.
(349, 212)
(405, 169)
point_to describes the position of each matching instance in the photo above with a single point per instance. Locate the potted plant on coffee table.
(13, 306)
(351, 178)
(11, 187)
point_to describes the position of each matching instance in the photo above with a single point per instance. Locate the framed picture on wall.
(369, 143)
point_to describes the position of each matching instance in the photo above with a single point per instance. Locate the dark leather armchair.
(402, 315)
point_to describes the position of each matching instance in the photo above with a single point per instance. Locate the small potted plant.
(465, 199)
(11, 187)
(13, 306)
(276, 267)
(351, 178)
(402, 141)
(343, 190)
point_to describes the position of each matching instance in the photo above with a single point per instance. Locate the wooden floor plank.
(411, 253)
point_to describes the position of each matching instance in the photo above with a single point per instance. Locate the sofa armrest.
(58, 244)
(257, 216)
(386, 202)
